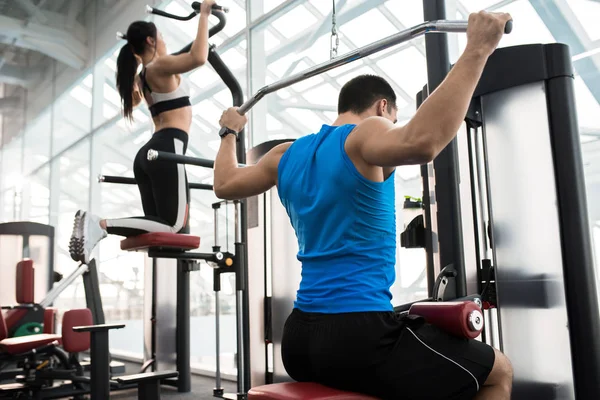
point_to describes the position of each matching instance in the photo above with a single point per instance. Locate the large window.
(72, 116)
(282, 48)
(48, 172)
(12, 181)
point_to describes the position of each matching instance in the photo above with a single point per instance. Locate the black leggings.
(163, 188)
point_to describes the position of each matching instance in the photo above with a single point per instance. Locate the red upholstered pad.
(25, 281)
(22, 344)
(14, 316)
(49, 320)
(76, 342)
(302, 391)
(460, 318)
(160, 239)
(3, 327)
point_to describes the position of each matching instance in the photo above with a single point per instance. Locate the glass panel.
(294, 21)
(72, 117)
(408, 13)
(587, 13)
(122, 273)
(534, 31)
(36, 196)
(111, 103)
(12, 180)
(37, 142)
(73, 168)
(355, 32)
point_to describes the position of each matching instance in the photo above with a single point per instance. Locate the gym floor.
(202, 388)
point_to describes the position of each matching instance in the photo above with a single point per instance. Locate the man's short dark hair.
(359, 94)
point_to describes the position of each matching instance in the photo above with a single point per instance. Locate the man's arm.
(438, 119)
(232, 182)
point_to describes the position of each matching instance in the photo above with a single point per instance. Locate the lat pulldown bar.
(440, 26)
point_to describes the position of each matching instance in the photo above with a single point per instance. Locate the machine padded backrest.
(3, 328)
(49, 320)
(25, 282)
(76, 342)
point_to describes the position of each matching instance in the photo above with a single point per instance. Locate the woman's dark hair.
(127, 64)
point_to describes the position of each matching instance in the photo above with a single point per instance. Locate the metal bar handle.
(166, 156)
(156, 11)
(441, 26)
(195, 6)
(131, 181)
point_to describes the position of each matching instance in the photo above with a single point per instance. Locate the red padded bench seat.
(23, 344)
(302, 391)
(161, 239)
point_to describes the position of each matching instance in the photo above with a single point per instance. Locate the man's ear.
(381, 107)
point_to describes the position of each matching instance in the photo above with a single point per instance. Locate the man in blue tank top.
(337, 186)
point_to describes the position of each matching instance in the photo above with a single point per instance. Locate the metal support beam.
(55, 42)
(74, 9)
(446, 163)
(20, 76)
(9, 103)
(293, 43)
(32, 10)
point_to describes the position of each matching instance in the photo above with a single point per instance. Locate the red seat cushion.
(302, 391)
(25, 282)
(161, 239)
(22, 344)
(76, 342)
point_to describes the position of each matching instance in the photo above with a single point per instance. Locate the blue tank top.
(345, 225)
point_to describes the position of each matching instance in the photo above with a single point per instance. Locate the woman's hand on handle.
(206, 7)
(484, 31)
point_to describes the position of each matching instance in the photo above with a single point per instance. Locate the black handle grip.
(196, 6)
(155, 11)
(508, 27)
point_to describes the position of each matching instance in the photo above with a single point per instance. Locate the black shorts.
(383, 355)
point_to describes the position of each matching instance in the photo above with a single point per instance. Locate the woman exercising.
(163, 187)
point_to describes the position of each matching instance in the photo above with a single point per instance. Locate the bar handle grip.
(155, 11)
(196, 6)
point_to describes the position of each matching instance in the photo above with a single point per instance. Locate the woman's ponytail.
(127, 62)
(127, 65)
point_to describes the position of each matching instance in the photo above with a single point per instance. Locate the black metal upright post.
(184, 380)
(429, 249)
(93, 299)
(241, 248)
(578, 260)
(446, 163)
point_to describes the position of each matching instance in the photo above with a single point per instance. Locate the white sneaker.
(75, 243)
(91, 234)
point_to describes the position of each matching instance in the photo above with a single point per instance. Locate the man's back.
(345, 225)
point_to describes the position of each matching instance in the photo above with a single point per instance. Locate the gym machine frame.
(26, 229)
(403, 36)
